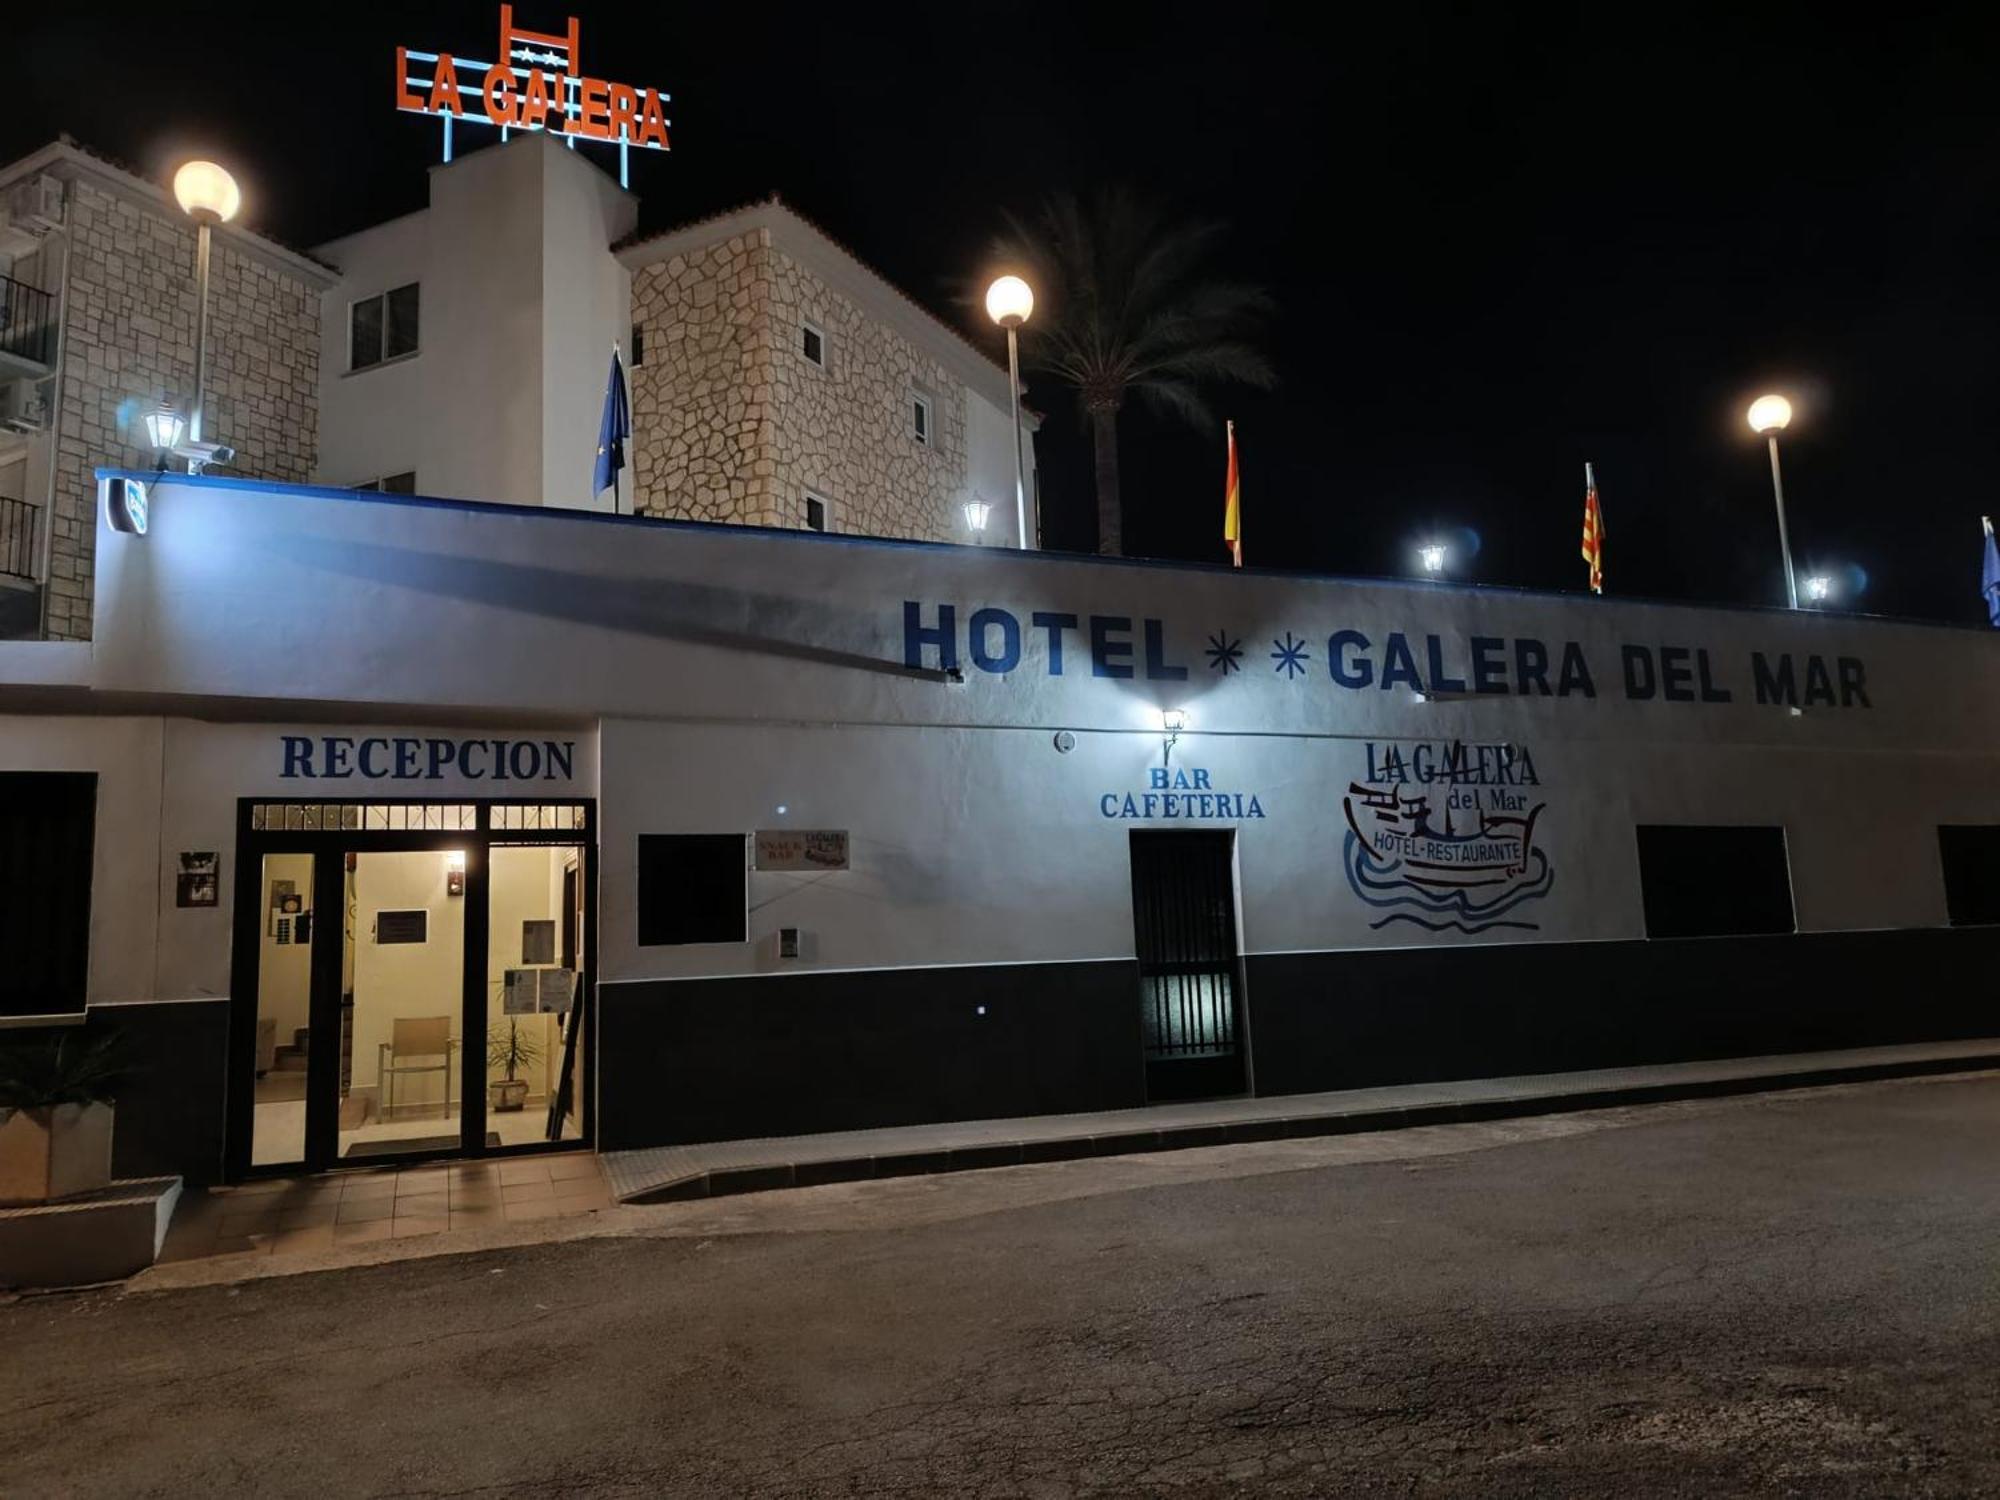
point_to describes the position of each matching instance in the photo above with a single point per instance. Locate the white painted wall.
(586, 305)
(377, 421)
(989, 467)
(521, 302)
(129, 900)
(746, 671)
(990, 845)
(167, 785)
(239, 588)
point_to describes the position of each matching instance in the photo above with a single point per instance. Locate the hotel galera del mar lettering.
(536, 85)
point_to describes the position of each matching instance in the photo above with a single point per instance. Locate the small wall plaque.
(802, 849)
(198, 879)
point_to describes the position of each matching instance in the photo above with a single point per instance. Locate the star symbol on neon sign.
(1291, 656)
(1224, 655)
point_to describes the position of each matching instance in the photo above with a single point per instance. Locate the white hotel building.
(338, 800)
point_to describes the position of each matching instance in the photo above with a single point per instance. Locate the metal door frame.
(329, 848)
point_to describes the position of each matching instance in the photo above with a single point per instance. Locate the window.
(1971, 874)
(47, 833)
(392, 484)
(334, 817)
(920, 418)
(638, 345)
(819, 512)
(812, 343)
(382, 328)
(693, 888)
(1714, 882)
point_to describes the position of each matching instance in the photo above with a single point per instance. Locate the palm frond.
(1124, 302)
(68, 1068)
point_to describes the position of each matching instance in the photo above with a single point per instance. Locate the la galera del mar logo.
(1443, 836)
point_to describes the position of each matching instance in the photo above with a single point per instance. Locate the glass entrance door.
(535, 974)
(403, 1039)
(412, 980)
(283, 913)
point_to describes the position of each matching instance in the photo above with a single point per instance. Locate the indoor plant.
(55, 1116)
(516, 1049)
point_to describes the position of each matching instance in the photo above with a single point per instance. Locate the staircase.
(290, 1057)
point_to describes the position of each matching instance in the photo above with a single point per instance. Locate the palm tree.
(1125, 307)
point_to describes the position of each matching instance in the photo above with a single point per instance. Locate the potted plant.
(55, 1116)
(512, 1051)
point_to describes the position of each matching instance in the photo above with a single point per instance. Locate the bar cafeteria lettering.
(1180, 793)
(341, 757)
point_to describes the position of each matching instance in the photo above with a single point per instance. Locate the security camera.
(201, 456)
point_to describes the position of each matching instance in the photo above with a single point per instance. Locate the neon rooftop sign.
(536, 85)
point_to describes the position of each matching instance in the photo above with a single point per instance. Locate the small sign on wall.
(801, 849)
(529, 992)
(197, 883)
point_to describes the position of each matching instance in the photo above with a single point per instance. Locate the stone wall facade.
(843, 429)
(703, 433)
(128, 336)
(731, 422)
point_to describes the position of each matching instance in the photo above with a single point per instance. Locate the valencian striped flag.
(1232, 506)
(1593, 531)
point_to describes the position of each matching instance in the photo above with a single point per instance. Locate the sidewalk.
(310, 1216)
(663, 1174)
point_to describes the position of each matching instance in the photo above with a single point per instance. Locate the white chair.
(417, 1044)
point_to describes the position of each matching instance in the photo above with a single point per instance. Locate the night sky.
(1500, 244)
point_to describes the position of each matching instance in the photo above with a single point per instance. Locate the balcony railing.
(17, 538)
(27, 322)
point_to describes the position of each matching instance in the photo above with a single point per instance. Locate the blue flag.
(612, 431)
(1989, 578)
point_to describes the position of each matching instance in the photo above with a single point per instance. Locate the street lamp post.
(1769, 416)
(1008, 302)
(208, 195)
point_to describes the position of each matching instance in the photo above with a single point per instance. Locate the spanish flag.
(1232, 506)
(1593, 531)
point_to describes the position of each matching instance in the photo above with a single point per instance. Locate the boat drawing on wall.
(1470, 875)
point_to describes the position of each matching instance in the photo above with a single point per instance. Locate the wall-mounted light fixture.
(454, 872)
(976, 513)
(163, 431)
(1432, 556)
(1172, 722)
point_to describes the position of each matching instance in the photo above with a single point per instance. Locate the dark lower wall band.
(720, 1059)
(1359, 1019)
(169, 1107)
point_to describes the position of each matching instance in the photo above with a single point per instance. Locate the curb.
(726, 1181)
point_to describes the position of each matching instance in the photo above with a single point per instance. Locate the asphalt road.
(1797, 1294)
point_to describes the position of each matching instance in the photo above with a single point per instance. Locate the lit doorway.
(414, 981)
(1190, 982)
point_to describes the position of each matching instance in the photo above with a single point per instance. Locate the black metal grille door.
(1184, 919)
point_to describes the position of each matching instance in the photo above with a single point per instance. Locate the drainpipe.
(47, 548)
